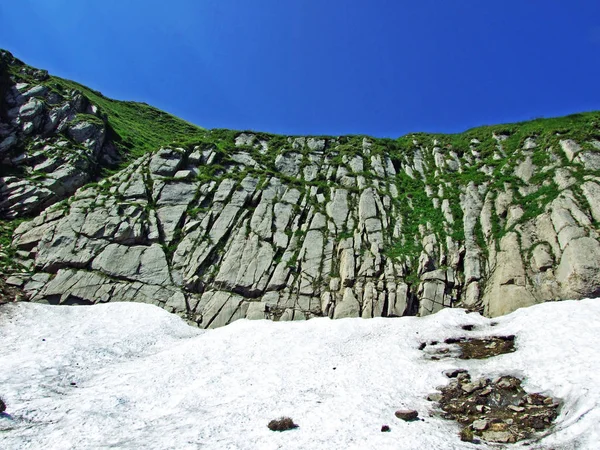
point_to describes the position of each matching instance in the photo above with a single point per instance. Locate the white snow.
(146, 380)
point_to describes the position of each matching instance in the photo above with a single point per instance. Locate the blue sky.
(378, 67)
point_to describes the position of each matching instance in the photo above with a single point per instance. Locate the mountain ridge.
(217, 225)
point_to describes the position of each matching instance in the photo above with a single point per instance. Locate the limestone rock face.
(579, 269)
(51, 143)
(506, 288)
(244, 245)
(247, 225)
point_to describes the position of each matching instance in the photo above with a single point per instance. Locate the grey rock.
(542, 258)
(311, 227)
(570, 147)
(480, 425)
(138, 263)
(590, 160)
(245, 139)
(506, 289)
(591, 191)
(579, 269)
(7, 143)
(31, 109)
(529, 144)
(525, 170)
(83, 131)
(338, 209)
(367, 207)
(348, 307)
(289, 163)
(497, 436)
(315, 144)
(35, 91)
(15, 281)
(407, 414)
(244, 159)
(165, 162)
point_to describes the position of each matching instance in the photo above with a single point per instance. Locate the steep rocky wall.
(258, 226)
(222, 225)
(52, 140)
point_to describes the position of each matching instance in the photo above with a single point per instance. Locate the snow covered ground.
(146, 380)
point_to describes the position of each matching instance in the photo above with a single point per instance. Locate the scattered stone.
(15, 281)
(407, 414)
(9, 293)
(282, 424)
(486, 391)
(455, 372)
(508, 382)
(499, 436)
(435, 397)
(463, 377)
(480, 424)
(496, 411)
(385, 429)
(469, 387)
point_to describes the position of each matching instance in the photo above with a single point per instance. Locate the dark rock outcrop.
(52, 140)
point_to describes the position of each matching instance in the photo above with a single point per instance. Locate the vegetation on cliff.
(233, 224)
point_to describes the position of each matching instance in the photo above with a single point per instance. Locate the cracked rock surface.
(52, 141)
(248, 242)
(250, 225)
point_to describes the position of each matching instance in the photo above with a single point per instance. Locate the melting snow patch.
(131, 376)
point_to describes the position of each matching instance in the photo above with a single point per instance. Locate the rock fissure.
(218, 225)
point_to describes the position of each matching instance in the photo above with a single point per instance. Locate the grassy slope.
(139, 127)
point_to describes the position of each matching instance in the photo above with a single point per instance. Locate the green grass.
(7, 252)
(139, 128)
(135, 128)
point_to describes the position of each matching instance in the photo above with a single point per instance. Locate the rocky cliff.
(223, 225)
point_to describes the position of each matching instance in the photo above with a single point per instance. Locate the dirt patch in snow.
(470, 348)
(498, 410)
(487, 347)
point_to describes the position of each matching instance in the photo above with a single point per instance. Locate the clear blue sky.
(378, 67)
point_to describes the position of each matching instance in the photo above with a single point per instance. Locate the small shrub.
(282, 424)
(466, 434)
